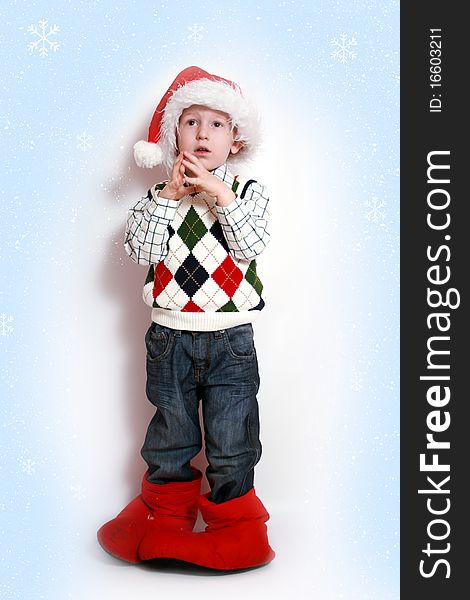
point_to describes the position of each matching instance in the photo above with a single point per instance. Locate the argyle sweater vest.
(199, 284)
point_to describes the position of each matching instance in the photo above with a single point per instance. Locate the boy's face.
(207, 134)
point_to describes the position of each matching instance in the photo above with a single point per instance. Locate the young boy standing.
(200, 233)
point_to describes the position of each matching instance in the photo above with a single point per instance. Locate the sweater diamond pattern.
(229, 307)
(205, 265)
(172, 295)
(209, 252)
(228, 276)
(163, 276)
(217, 232)
(201, 255)
(192, 229)
(211, 296)
(199, 273)
(191, 275)
(191, 307)
(252, 277)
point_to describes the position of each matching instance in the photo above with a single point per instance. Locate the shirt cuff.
(232, 213)
(161, 208)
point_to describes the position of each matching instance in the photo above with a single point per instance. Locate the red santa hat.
(195, 86)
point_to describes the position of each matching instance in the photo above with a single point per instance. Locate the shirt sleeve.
(245, 222)
(147, 225)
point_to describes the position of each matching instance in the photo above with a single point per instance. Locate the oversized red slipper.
(160, 507)
(235, 537)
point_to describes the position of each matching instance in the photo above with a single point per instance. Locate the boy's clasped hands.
(201, 180)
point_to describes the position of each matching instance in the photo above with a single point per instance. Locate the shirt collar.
(224, 174)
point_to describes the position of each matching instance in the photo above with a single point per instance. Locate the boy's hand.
(204, 181)
(174, 189)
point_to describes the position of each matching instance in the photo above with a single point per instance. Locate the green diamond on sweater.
(150, 275)
(252, 277)
(229, 307)
(192, 229)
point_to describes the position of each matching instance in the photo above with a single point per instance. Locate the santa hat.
(195, 86)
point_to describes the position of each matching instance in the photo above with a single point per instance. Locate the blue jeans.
(220, 369)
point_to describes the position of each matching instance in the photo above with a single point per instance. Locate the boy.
(200, 232)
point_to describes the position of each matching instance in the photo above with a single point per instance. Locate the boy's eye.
(191, 121)
(218, 124)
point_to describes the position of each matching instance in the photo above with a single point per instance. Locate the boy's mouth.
(202, 150)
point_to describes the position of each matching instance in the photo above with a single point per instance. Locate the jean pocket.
(158, 341)
(239, 341)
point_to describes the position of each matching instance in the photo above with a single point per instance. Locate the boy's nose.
(202, 133)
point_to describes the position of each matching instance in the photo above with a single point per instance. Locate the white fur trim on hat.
(147, 154)
(217, 95)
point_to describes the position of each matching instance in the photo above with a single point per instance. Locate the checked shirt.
(202, 257)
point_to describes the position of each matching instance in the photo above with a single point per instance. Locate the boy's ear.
(236, 147)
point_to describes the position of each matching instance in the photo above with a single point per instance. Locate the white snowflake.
(27, 465)
(84, 141)
(343, 51)
(356, 382)
(78, 492)
(374, 212)
(195, 32)
(43, 44)
(308, 496)
(5, 329)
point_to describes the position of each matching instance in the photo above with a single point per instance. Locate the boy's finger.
(175, 169)
(191, 157)
(178, 159)
(191, 165)
(178, 169)
(193, 161)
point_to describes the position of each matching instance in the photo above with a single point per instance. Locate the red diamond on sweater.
(163, 277)
(191, 307)
(228, 276)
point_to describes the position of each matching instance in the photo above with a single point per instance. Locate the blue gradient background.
(333, 128)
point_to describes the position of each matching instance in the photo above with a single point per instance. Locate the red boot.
(235, 537)
(160, 507)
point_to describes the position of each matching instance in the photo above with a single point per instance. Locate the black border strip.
(432, 132)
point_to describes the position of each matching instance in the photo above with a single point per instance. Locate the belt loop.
(177, 333)
(218, 334)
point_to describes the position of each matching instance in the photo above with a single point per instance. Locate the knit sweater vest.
(200, 285)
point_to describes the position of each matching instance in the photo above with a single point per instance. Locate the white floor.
(293, 572)
(307, 565)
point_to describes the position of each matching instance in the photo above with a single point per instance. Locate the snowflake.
(84, 141)
(308, 496)
(43, 43)
(27, 466)
(5, 329)
(356, 382)
(343, 51)
(78, 492)
(374, 213)
(195, 32)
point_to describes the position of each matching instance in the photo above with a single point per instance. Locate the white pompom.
(147, 154)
